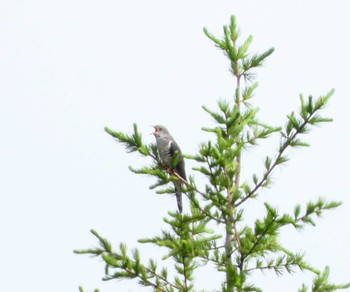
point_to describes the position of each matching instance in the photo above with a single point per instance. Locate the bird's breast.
(164, 150)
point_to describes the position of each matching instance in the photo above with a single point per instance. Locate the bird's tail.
(177, 185)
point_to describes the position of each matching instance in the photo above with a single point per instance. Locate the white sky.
(69, 68)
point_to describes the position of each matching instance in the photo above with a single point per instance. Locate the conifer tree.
(237, 249)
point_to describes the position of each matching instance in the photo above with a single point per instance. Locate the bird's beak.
(155, 131)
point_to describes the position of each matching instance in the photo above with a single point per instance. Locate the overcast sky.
(70, 68)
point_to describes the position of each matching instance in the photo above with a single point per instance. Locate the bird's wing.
(175, 153)
(174, 148)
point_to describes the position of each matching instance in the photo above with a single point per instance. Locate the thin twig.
(256, 242)
(269, 171)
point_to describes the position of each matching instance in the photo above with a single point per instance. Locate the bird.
(168, 149)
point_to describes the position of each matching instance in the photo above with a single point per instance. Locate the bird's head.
(160, 131)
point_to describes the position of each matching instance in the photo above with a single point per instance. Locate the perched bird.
(168, 149)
